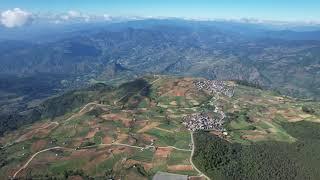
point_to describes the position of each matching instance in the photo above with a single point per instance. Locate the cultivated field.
(136, 130)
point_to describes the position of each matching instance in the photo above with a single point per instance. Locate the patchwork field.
(136, 130)
(135, 135)
(257, 115)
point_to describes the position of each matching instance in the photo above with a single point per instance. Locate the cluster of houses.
(202, 121)
(215, 86)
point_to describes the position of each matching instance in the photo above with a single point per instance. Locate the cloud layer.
(15, 18)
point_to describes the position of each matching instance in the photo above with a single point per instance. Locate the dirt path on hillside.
(33, 156)
(112, 144)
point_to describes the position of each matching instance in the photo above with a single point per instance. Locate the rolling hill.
(182, 125)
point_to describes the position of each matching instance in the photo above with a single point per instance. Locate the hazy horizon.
(246, 10)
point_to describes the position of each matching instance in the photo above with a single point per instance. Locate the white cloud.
(64, 17)
(15, 18)
(74, 14)
(107, 17)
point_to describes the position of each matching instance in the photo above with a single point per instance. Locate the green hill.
(141, 127)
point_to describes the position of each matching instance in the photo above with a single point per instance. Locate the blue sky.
(287, 10)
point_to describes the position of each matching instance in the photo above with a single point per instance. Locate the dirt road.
(33, 156)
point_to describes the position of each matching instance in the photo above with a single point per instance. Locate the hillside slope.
(145, 126)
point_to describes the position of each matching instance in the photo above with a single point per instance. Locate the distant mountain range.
(284, 60)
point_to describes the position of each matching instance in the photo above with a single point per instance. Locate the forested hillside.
(221, 159)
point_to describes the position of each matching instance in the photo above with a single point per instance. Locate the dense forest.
(221, 159)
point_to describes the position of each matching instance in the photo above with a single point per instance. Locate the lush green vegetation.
(221, 159)
(144, 156)
(179, 157)
(248, 83)
(63, 166)
(23, 93)
(308, 109)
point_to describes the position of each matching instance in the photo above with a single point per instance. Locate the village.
(202, 121)
(215, 86)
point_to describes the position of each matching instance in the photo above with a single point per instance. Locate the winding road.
(113, 144)
(33, 156)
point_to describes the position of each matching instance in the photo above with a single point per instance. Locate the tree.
(308, 109)
(167, 120)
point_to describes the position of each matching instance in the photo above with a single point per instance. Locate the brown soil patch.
(290, 115)
(149, 126)
(147, 166)
(127, 123)
(179, 92)
(38, 145)
(120, 149)
(75, 178)
(180, 168)
(255, 135)
(117, 117)
(163, 152)
(97, 159)
(83, 153)
(147, 138)
(91, 133)
(107, 140)
(133, 175)
(122, 137)
(177, 88)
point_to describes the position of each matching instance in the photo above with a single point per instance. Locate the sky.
(277, 10)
